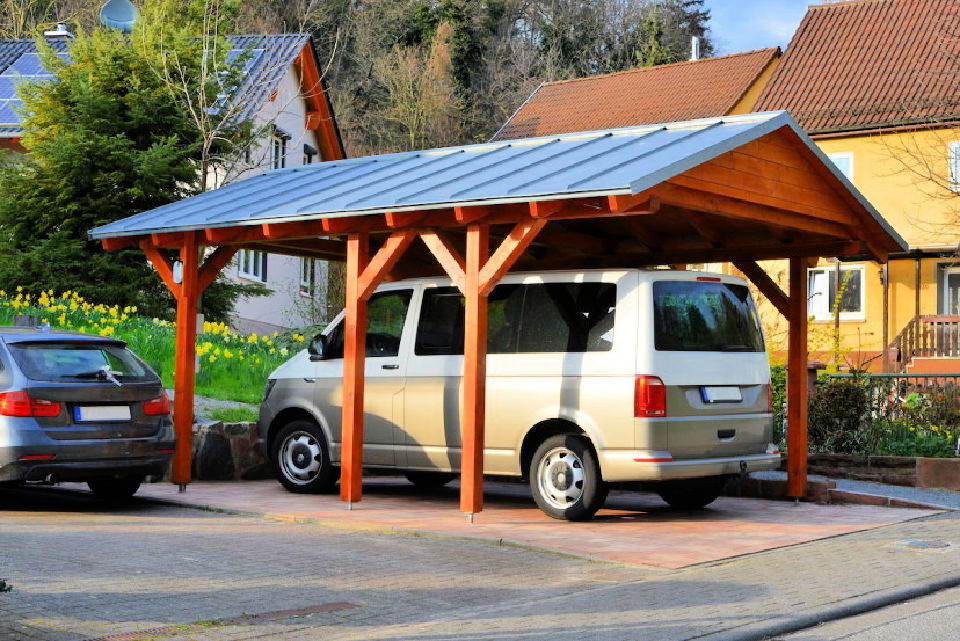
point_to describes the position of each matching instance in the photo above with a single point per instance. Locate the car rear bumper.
(620, 465)
(78, 462)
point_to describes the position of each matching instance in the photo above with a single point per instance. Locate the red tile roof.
(870, 63)
(683, 91)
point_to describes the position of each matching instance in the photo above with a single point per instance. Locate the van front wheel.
(301, 460)
(565, 478)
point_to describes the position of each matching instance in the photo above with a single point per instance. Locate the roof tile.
(666, 93)
(869, 63)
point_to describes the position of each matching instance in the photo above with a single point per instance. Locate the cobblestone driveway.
(82, 572)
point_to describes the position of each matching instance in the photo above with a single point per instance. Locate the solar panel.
(28, 67)
(250, 62)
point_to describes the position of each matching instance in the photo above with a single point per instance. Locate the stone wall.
(227, 452)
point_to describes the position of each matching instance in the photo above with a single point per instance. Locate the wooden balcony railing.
(926, 336)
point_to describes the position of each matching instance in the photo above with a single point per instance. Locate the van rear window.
(696, 316)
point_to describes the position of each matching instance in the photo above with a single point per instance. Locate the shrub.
(838, 417)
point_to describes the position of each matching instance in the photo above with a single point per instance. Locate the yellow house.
(876, 83)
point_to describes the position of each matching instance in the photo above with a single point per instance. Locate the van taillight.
(649, 397)
(157, 406)
(770, 398)
(21, 404)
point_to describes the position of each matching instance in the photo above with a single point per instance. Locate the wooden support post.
(797, 382)
(354, 353)
(474, 372)
(185, 360)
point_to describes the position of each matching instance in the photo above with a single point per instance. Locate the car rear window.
(697, 316)
(55, 361)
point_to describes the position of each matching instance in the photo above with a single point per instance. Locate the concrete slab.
(633, 528)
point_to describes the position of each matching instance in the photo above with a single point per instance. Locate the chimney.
(59, 32)
(694, 48)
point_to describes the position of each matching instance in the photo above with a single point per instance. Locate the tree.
(107, 139)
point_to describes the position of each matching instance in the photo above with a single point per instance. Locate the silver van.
(593, 377)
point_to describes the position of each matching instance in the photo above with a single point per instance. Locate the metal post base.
(796, 502)
(470, 518)
(183, 487)
(350, 506)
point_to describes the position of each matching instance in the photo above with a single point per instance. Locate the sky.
(744, 25)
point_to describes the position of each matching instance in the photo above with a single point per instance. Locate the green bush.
(838, 419)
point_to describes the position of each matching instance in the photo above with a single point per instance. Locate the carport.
(735, 189)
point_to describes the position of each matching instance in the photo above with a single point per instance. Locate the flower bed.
(231, 366)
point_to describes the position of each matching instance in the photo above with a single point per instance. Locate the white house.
(284, 96)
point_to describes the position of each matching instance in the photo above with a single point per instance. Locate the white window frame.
(278, 148)
(843, 155)
(308, 277)
(953, 165)
(815, 307)
(309, 155)
(252, 264)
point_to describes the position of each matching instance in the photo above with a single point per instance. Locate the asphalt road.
(82, 570)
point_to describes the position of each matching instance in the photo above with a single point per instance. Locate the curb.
(768, 631)
(880, 500)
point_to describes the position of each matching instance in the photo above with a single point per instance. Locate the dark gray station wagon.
(77, 407)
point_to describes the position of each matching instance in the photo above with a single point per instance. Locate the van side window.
(386, 314)
(553, 317)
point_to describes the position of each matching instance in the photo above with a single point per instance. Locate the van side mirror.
(318, 348)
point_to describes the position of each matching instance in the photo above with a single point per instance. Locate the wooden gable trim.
(319, 116)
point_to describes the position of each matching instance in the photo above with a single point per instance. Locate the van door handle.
(390, 366)
(726, 433)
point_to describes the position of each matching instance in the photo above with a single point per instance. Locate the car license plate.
(721, 394)
(89, 413)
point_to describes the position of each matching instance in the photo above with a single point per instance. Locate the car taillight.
(157, 406)
(21, 404)
(649, 397)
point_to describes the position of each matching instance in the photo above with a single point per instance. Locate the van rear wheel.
(692, 494)
(565, 478)
(301, 459)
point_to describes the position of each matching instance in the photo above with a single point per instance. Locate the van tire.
(565, 478)
(300, 459)
(691, 494)
(429, 480)
(113, 489)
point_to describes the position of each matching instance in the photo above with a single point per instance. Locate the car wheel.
(429, 480)
(565, 478)
(115, 489)
(691, 494)
(301, 459)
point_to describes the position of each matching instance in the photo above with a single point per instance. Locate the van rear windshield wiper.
(733, 347)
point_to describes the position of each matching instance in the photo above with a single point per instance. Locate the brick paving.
(81, 571)
(633, 528)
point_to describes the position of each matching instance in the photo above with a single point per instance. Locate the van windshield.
(697, 316)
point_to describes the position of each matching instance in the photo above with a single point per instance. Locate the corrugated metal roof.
(622, 161)
(704, 88)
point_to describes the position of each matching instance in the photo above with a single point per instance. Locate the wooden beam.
(299, 229)
(354, 353)
(765, 284)
(642, 203)
(547, 208)
(168, 240)
(474, 372)
(642, 232)
(687, 198)
(797, 382)
(471, 213)
(355, 224)
(214, 264)
(396, 219)
(761, 252)
(447, 255)
(184, 369)
(510, 249)
(383, 262)
(224, 235)
(162, 264)
(118, 242)
(703, 226)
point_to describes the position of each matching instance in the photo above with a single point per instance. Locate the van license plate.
(101, 413)
(721, 394)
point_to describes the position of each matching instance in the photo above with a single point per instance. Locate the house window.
(309, 155)
(278, 148)
(953, 165)
(308, 276)
(252, 265)
(844, 162)
(822, 293)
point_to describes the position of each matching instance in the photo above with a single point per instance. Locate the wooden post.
(797, 382)
(354, 353)
(184, 376)
(474, 372)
